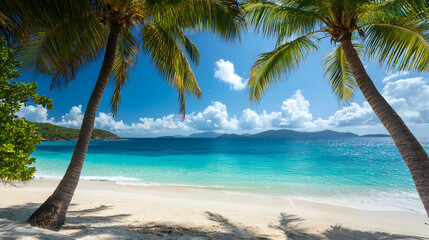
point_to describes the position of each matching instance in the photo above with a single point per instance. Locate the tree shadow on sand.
(292, 231)
(13, 225)
(89, 224)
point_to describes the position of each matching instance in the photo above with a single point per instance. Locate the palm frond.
(63, 42)
(281, 61)
(221, 17)
(283, 21)
(4, 23)
(164, 49)
(188, 45)
(338, 72)
(401, 45)
(29, 16)
(416, 9)
(125, 60)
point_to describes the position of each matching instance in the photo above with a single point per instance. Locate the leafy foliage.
(394, 33)
(339, 74)
(53, 132)
(59, 38)
(17, 136)
(275, 64)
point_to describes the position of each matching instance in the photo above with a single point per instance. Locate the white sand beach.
(105, 210)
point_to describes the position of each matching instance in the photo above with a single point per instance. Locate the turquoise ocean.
(364, 173)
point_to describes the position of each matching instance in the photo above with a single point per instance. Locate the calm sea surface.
(365, 173)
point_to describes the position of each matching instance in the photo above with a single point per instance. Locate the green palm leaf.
(274, 65)
(339, 74)
(164, 49)
(63, 42)
(284, 21)
(65, 36)
(402, 45)
(125, 60)
(222, 17)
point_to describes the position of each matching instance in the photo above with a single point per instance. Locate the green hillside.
(54, 132)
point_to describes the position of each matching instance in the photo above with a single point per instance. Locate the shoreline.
(129, 211)
(349, 201)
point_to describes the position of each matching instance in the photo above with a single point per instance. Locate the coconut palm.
(63, 36)
(395, 33)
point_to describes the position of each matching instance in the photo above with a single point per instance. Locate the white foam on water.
(124, 181)
(92, 178)
(140, 183)
(375, 201)
(50, 177)
(109, 179)
(372, 200)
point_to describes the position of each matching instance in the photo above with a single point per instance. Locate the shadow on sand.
(291, 231)
(81, 224)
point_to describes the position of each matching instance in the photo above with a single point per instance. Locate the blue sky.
(302, 101)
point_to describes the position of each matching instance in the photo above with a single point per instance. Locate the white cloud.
(391, 75)
(73, 118)
(250, 120)
(213, 117)
(105, 120)
(33, 113)
(225, 72)
(352, 115)
(167, 123)
(296, 111)
(410, 97)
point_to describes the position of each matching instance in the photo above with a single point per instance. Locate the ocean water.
(365, 173)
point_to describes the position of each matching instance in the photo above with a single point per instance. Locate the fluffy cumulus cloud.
(34, 113)
(159, 125)
(391, 76)
(224, 71)
(213, 117)
(296, 111)
(251, 120)
(410, 97)
(73, 118)
(104, 120)
(352, 115)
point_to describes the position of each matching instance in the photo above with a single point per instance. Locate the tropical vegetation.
(18, 138)
(59, 38)
(49, 131)
(394, 33)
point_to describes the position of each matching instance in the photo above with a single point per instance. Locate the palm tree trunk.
(52, 213)
(410, 149)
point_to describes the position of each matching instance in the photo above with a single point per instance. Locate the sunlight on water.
(365, 173)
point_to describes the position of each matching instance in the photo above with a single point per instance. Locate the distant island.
(51, 132)
(375, 135)
(282, 133)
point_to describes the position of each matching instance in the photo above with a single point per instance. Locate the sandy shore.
(102, 210)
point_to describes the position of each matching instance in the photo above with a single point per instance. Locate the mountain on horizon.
(204, 135)
(286, 133)
(281, 133)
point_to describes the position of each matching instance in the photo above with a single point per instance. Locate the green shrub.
(17, 136)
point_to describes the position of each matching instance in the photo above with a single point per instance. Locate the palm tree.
(63, 36)
(393, 32)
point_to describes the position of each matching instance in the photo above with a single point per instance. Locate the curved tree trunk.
(52, 213)
(410, 149)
